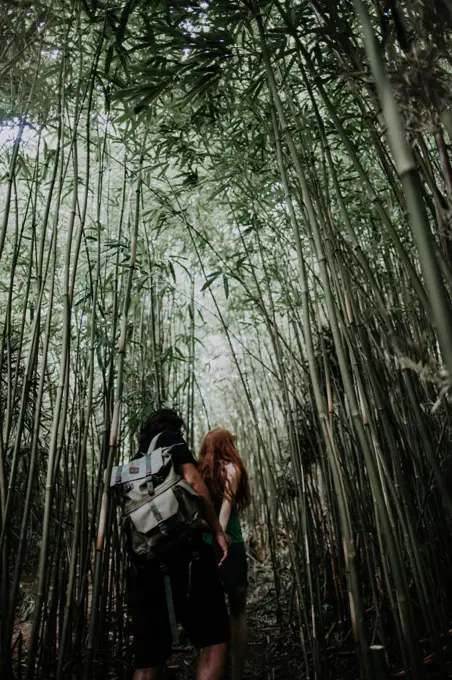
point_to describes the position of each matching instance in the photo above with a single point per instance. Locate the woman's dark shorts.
(198, 601)
(234, 570)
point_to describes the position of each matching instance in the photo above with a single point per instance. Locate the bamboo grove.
(242, 209)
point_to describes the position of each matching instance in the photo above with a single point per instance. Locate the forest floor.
(274, 650)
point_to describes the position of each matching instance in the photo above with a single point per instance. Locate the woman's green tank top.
(234, 528)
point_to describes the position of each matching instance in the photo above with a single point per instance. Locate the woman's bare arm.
(191, 476)
(230, 491)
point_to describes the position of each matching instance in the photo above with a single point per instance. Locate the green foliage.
(201, 209)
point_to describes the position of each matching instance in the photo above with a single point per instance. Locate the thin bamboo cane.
(114, 432)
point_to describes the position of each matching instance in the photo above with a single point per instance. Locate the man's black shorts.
(198, 601)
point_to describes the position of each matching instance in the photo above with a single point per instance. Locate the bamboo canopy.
(243, 210)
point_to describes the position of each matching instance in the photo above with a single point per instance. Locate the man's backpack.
(160, 510)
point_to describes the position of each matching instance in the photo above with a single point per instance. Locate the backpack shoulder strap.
(151, 463)
(152, 445)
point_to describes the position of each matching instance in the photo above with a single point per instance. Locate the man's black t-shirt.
(181, 454)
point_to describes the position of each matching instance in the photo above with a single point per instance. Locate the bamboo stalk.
(439, 300)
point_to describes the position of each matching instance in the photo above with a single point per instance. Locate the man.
(195, 583)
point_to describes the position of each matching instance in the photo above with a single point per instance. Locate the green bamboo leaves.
(206, 206)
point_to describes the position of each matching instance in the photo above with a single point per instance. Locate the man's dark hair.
(158, 421)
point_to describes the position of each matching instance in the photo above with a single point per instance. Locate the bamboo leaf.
(226, 286)
(210, 279)
(173, 273)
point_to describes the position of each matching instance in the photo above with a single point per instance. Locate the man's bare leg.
(239, 632)
(211, 662)
(154, 673)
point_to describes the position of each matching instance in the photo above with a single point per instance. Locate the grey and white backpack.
(159, 508)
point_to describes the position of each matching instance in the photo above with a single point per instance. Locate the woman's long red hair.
(218, 448)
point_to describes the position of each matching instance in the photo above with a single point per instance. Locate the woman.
(225, 476)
